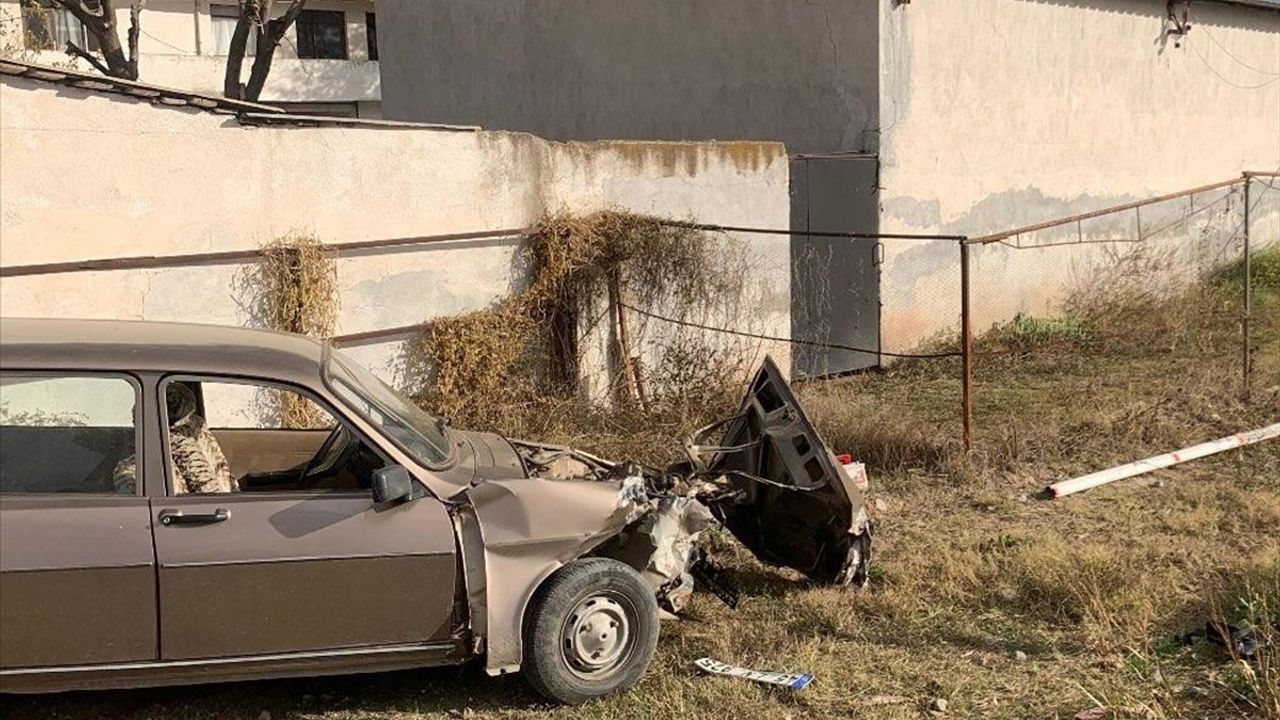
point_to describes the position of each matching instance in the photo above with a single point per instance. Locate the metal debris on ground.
(1243, 641)
(714, 577)
(787, 680)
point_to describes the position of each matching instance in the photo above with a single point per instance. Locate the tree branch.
(73, 49)
(135, 29)
(269, 36)
(96, 20)
(100, 21)
(231, 85)
(281, 26)
(99, 12)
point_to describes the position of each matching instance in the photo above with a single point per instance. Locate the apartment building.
(327, 63)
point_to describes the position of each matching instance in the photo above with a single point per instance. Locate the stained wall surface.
(1000, 113)
(87, 175)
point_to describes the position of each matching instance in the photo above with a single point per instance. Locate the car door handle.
(177, 517)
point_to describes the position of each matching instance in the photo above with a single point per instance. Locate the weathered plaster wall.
(1000, 113)
(86, 175)
(791, 70)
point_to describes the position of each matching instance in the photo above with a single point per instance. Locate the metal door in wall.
(835, 282)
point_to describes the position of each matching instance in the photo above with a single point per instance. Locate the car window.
(248, 406)
(242, 436)
(408, 425)
(67, 434)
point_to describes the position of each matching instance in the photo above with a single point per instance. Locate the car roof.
(137, 345)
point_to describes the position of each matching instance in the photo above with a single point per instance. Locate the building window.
(322, 34)
(48, 26)
(371, 32)
(224, 19)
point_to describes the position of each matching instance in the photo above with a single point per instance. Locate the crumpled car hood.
(786, 499)
(486, 456)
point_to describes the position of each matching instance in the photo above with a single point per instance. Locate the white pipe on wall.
(195, 18)
(1102, 477)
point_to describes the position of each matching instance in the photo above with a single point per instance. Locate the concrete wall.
(177, 50)
(986, 114)
(166, 181)
(790, 70)
(1000, 113)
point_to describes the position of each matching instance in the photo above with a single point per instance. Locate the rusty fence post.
(1247, 366)
(966, 347)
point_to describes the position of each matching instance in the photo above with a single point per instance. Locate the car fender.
(525, 529)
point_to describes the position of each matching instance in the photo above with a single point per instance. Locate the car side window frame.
(162, 388)
(139, 397)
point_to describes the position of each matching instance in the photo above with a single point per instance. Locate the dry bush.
(477, 366)
(297, 284)
(1142, 298)
(502, 367)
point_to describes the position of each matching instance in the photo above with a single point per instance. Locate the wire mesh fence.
(1149, 310)
(1170, 303)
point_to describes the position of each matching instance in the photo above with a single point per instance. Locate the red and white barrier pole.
(1102, 477)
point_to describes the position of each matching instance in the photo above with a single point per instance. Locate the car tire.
(591, 631)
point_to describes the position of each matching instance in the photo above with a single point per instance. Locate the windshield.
(416, 432)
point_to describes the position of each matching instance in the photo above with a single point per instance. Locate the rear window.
(67, 434)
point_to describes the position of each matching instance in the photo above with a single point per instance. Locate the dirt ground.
(984, 600)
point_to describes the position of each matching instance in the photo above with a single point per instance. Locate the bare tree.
(99, 19)
(255, 17)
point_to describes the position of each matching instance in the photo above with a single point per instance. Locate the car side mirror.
(392, 484)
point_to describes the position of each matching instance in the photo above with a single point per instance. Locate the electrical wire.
(1228, 53)
(1196, 51)
(793, 341)
(182, 51)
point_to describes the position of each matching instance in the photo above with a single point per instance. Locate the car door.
(276, 570)
(77, 570)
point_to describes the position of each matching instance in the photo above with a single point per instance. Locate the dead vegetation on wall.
(492, 368)
(297, 291)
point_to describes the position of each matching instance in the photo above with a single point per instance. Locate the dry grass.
(296, 281)
(494, 368)
(1004, 605)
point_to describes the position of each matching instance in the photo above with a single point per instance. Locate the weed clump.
(298, 283)
(491, 368)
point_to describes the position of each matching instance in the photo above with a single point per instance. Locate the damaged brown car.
(184, 504)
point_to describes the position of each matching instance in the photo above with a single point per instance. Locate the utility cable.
(793, 341)
(1228, 53)
(1196, 51)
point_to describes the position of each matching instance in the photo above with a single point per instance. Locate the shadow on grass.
(451, 690)
(761, 580)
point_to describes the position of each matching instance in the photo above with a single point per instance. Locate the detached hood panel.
(786, 498)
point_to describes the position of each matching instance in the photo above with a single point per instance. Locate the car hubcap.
(597, 636)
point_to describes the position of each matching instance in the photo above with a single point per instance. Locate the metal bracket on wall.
(1177, 20)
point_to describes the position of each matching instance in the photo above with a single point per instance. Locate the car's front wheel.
(591, 631)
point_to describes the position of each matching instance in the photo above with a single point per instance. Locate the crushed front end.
(764, 474)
